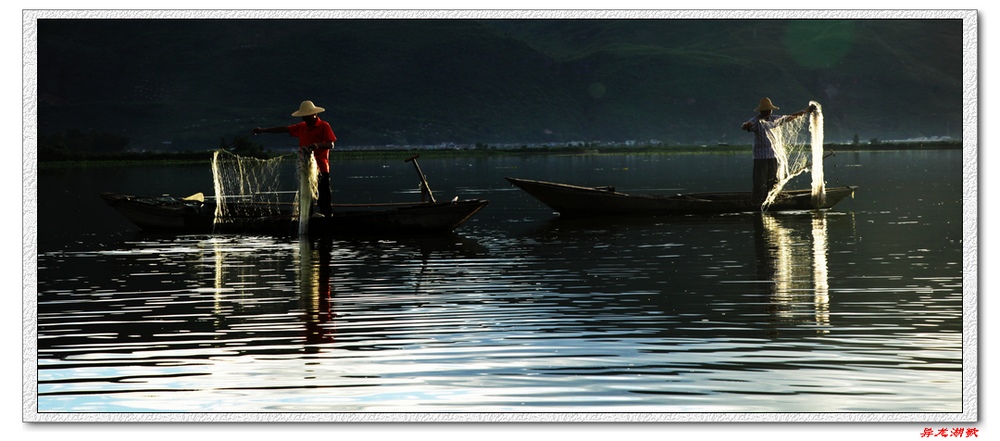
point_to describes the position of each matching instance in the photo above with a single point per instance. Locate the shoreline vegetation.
(86, 159)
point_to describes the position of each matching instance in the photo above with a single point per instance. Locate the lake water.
(853, 311)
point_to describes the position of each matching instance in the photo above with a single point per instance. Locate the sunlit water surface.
(858, 309)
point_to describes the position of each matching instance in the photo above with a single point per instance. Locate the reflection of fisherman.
(765, 249)
(315, 135)
(316, 294)
(765, 165)
(766, 234)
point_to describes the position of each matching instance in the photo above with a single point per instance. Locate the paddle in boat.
(198, 214)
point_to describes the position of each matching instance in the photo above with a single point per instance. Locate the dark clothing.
(323, 187)
(765, 177)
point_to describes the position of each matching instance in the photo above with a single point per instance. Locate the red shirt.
(319, 132)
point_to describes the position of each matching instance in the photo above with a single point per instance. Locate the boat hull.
(168, 214)
(572, 200)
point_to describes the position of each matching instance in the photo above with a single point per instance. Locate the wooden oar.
(423, 179)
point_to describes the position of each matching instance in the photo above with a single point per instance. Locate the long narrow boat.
(573, 200)
(197, 215)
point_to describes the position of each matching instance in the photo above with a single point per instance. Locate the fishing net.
(249, 189)
(798, 147)
(308, 187)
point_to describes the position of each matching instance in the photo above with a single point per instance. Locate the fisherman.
(316, 136)
(765, 164)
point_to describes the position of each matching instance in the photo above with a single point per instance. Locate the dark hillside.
(184, 84)
(877, 78)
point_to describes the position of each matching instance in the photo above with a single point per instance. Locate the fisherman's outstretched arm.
(276, 129)
(810, 109)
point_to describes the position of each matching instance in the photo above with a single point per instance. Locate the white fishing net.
(308, 188)
(249, 189)
(798, 147)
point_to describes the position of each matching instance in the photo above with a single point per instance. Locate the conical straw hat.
(765, 104)
(307, 108)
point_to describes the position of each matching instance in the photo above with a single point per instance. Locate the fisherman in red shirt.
(315, 135)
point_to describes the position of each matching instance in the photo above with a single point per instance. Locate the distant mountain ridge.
(187, 83)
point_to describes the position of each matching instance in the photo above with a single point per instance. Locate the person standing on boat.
(316, 136)
(765, 164)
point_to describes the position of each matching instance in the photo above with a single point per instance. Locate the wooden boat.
(196, 215)
(572, 200)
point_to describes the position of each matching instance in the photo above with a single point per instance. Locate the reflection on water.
(844, 311)
(314, 282)
(633, 317)
(792, 267)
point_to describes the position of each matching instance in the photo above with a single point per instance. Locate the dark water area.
(853, 310)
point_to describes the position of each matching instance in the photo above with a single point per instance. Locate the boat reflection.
(243, 266)
(791, 252)
(250, 276)
(235, 263)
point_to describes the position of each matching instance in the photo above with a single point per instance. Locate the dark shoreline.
(85, 160)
